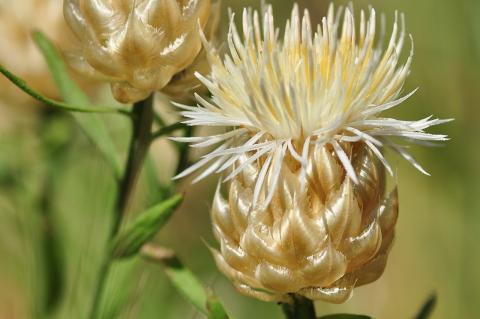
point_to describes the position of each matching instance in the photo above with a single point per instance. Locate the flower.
(281, 98)
(318, 240)
(138, 45)
(306, 211)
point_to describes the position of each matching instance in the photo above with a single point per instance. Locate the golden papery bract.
(185, 83)
(319, 239)
(136, 45)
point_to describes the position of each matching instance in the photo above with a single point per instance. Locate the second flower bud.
(138, 46)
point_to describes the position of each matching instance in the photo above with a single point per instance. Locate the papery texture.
(184, 84)
(320, 236)
(303, 150)
(136, 45)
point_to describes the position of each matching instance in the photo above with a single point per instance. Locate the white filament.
(326, 87)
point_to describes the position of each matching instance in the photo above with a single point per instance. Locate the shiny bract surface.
(136, 45)
(320, 239)
(185, 84)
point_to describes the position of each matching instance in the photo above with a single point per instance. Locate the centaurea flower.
(306, 211)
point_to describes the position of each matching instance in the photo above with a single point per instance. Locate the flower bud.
(320, 236)
(138, 46)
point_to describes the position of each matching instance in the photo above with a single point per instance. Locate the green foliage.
(427, 308)
(447, 64)
(166, 130)
(68, 88)
(119, 289)
(91, 123)
(215, 308)
(54, 138)
(21, 84)
(144, 228)
(186, 284)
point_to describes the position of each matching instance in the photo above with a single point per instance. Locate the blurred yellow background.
(436, 246)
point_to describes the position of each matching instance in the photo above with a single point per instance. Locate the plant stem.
(54, 153)
(51, 250)
(167, 130)
(427, 308)
(142, 118)
(300, 308)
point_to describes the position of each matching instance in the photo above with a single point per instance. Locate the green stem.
(167, 130)
(51, 251)
(427, 308)
(54, 152)
(142, 118)
(300, 308)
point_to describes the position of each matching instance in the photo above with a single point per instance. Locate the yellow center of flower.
(324, 86)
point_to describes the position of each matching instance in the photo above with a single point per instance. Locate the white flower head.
(281, 96)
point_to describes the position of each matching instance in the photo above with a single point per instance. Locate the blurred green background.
(48, 165)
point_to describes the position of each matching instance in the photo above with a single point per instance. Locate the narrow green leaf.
(186, 284)
(215, 308)
(144, 228)
(92, 124)
(345, 316)
(21, 84)
(69, 89)
(168, 130)
(120, 289)
(427, 308)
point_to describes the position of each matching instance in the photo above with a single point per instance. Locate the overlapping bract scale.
(137, 45)
(320, 236)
